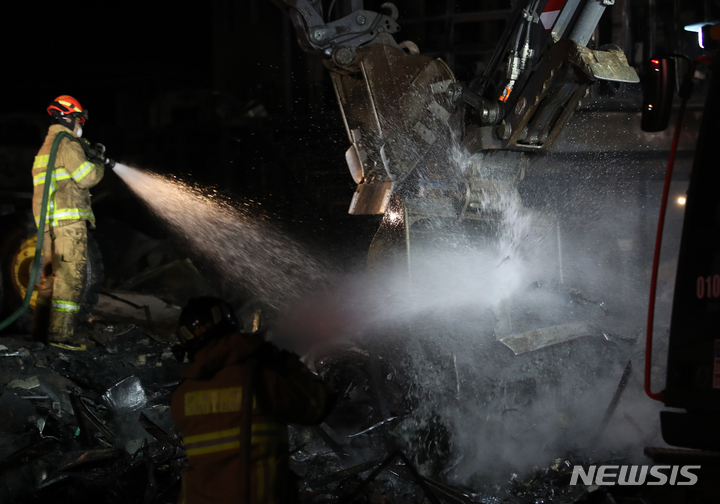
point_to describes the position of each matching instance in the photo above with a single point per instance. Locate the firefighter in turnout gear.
(238, 395)
(68, 215)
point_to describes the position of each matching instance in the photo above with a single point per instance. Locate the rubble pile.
(93, 424)
(417, 419)
(393, 436)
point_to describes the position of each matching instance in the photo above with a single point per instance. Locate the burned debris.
(95, 425)
(456, 398)
(89, 425)
(387, 436)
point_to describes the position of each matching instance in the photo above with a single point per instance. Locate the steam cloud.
(500, 412)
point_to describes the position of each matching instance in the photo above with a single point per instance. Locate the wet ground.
(94, 425)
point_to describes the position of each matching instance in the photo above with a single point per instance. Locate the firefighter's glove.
(99, 149)
(95, 153)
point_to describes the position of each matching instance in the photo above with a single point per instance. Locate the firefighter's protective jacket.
(73, 176)
(207, 409)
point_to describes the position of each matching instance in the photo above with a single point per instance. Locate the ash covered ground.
(435, 419)
(71, 428)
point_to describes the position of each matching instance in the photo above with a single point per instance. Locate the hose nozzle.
(97, 153)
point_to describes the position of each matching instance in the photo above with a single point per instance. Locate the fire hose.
(38, 260)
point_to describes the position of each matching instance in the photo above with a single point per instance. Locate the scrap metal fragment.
(116, 298)
(343, 473)
(610, 410)
(20, 352)
(372, 427)
(26, 384)
(629, 418)
(129, 329)
(523, 431)
(329, 436)
(87, 419)
(55, 387)
(578, 297)
(128, 393)
(157, 432)
(145, 308)
(389, 460)
(453, 466)
(449, 493)
(40, 421)
(457, 377)
(73, 459)
(547, 336)
(160, 453)
(155, 338)
(28, 454)
(297, 450)
(51, 481)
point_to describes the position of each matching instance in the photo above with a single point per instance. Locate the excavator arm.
(442, 160)
(407, 117)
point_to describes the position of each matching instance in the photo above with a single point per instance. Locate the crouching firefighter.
(68, 214)
(238, 395)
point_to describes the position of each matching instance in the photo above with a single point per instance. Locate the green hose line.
(37, 261)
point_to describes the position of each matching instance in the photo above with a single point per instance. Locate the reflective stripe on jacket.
(207, 410)
(224, 440)
(72, 177)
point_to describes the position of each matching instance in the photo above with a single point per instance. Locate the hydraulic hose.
(37, 260)
(659, 396)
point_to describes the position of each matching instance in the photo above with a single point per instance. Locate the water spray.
(448, 303)
(242, 247)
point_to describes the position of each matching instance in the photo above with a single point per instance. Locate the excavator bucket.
(399, 119)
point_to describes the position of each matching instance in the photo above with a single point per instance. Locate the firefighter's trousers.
(61, 287)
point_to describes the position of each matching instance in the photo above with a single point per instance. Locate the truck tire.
(17, 251)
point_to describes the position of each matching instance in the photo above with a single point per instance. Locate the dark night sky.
(91, 49)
